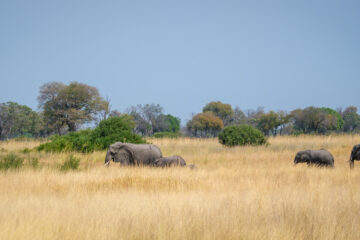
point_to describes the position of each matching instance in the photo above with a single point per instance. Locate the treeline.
(310, 120)
(67, 108)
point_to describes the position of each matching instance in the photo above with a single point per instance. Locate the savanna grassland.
(236, 193)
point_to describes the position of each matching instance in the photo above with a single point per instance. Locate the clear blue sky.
(182, 54)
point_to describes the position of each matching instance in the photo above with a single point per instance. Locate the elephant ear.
(129, 151)
(305, 157)
(115, 147)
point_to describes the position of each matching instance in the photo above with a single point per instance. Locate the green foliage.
(173, 123)
(316, 120)
(114, 129)
(70, 105)
(167, 135)
(205, 125)
(11, 161)
(241, 135)
(351, 119)
(72, 163)
(340, 122)
(26, 150)
(77, 141)
(34, 162)
(221, 110)
(19, 120)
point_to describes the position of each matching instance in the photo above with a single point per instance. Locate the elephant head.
(301, 157)
(119, 152)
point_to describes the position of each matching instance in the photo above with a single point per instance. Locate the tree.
(70, 105)
(19, 120)
(316, 120)
(149, 118)
(239, 117)
(205, 125)
(253, 116)
(351, 119)
(221, 110)
(166, 123)
(339, 122)
(269, 123)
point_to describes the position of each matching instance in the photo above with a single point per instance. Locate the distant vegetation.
(66, 109)
(108, 131)
(167, 135)
(11, 161)
(239, 135)
(71, 163)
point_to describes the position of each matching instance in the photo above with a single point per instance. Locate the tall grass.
(236, 193)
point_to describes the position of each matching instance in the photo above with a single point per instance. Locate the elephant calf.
(355, 155)
(315, 157)
(170, 161)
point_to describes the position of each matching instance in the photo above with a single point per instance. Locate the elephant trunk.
(351, 161)
(107, 158)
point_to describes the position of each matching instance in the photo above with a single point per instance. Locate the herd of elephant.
(149, 154)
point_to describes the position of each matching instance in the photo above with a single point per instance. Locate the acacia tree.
(70, 105)
(205, 125)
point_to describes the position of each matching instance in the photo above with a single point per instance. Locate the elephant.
(174, 160)
(315, 157)
(132, 154)
(355, 155)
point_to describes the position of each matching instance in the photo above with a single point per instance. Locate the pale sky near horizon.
(281, 55)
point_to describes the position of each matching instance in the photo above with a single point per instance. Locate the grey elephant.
(132, 154)
(174, 160)
(315, 157)
(355, 155)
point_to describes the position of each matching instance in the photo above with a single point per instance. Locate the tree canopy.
(19, 120)
(221, 110)
(205, 125)
(70, 105)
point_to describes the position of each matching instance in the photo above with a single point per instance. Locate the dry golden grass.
(236, 193)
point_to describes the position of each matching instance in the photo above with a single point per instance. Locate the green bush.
(241, 135)
(77, 141)
(115, 129)
(72, 163)
(167, 135)
(11, 161)
(111, 130)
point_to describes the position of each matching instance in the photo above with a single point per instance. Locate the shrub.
(76, 141)
(11, 161)
(241, 135)
(113, 129)
(34, 162)
(72, 163)
(167, 135)
(26, 150)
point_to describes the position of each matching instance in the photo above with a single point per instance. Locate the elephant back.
(145, 154)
